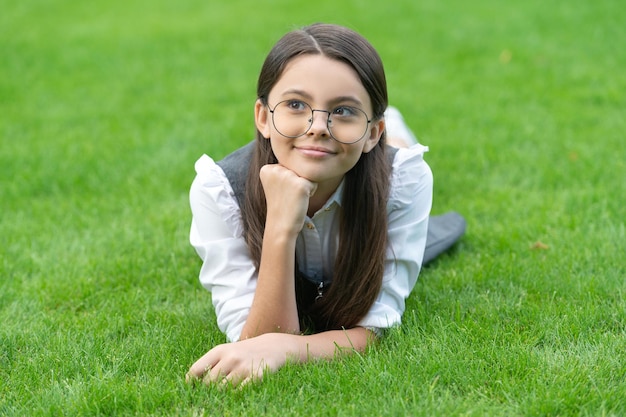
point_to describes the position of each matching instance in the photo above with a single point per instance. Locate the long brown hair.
(359, 265)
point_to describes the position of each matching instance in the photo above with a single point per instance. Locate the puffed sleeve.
(408, 209)
(217, 236)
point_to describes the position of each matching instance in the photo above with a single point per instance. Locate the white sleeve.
(409, 206)
(217, 235)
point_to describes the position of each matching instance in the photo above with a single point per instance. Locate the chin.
(313, 175)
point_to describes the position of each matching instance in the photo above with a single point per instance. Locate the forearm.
(327, 345)
(274, 307)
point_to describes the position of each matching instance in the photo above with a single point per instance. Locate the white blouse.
(228, 271)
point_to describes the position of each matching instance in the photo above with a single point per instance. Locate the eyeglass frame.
(328, 121)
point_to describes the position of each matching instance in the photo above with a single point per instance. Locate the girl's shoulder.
(212, 188)
(209, 173)
(406, 158)
(411, 176)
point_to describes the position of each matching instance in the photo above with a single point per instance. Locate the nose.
(319, 124)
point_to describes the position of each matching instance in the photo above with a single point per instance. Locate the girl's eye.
(344, 111)
(295, 105)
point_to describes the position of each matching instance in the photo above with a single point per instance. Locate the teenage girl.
(313, 236)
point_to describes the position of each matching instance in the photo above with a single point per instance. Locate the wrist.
(294, 345)
(281, 231)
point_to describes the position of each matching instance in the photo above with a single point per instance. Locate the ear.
(262, 118)
(376, 130)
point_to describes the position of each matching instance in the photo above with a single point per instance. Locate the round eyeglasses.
(294, 118)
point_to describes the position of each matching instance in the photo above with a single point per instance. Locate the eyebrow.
(335, 100)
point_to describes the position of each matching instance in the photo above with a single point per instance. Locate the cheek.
(348, 161)
(353, 162)
(280, 151)
(354, 154)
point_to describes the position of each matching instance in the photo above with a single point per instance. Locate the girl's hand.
(244, 361)
(247, 360)
(287, 197)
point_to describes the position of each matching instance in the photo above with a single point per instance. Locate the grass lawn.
(105, 106)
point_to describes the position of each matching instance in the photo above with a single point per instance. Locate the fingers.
(222, 376)
(224, 373)
(284, 179)
(221, 379)
(287, 196)
(202, 365)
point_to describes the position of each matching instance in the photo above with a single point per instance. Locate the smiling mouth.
(315, 152)
(315, 149)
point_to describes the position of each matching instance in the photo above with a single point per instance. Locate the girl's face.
(323, 84)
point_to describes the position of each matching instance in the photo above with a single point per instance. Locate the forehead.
(322, 79)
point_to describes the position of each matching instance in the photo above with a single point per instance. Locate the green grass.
(105, 106)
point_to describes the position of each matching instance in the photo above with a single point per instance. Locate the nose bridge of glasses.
(326, 119)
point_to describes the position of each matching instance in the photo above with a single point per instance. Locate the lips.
(315, 151)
